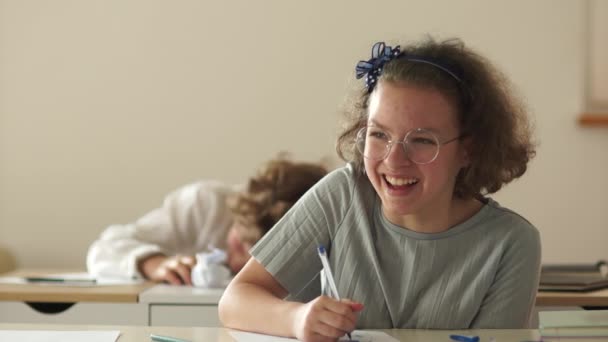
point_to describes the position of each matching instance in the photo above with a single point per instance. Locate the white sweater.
(190, 220)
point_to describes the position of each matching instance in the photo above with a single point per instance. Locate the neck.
(439, 219)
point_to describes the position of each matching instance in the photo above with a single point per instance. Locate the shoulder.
(340, 181)
(508, 216)
(510, 226)
(341, 188)
(343, 193)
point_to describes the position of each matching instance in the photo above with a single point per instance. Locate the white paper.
(357, 335)
(59, 336)
(12, 280)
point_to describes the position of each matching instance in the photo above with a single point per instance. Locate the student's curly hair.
(489, 114)
(271, 193)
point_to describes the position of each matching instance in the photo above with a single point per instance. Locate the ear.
(465, 151)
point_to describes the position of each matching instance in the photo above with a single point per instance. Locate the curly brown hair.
(489, 113)
(271, 193)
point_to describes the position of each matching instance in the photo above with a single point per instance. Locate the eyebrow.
(377, 124)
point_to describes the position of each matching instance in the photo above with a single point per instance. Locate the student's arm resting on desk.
(190, 219)
(284, 262)
(254, 287)
(511, 297)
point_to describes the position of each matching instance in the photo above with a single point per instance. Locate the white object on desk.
(210, 270)
(58, 336)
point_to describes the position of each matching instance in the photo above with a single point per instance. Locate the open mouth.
(398, 183)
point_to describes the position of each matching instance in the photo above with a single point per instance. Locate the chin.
(396, 207)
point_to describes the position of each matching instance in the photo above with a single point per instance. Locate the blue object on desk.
(159, 338)
(464, 338)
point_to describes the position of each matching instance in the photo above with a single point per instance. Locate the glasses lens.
(372, 143)
(422, 146)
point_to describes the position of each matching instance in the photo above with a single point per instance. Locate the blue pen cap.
(464, 338)
(321, 249)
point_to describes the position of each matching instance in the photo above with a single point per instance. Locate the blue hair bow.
(373, 67)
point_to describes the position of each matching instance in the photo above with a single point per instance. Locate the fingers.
(355, 306)
(169, 276)
(336, 325)
(344, 309)
(336, 317)
(181, 266)
(188, 260)
(177, 270)
(319, 337)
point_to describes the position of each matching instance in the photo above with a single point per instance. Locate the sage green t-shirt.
(482, 273)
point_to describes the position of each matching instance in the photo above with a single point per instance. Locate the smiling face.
(413, 193)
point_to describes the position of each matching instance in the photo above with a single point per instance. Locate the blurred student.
(208, 223)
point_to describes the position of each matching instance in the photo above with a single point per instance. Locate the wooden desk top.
(167, 294)
(141, 333)
(67, 294)
(594, 298)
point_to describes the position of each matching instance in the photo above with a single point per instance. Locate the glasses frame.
(403, 142)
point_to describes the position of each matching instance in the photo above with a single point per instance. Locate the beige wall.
(107, 105)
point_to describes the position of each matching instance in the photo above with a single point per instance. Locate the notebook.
(572, 282)
(599, 267)
(574, 277)
(580, 323)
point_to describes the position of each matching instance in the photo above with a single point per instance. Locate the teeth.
(401, 181)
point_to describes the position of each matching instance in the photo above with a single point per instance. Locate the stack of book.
(574, 277)
(580, 323)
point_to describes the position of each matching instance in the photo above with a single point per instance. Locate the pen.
(58, 280)
(464, 338)
(329, 275)
(159, 338)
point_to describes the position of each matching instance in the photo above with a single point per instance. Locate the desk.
(134, 333)
(71, 304)
(595, 298)
(182, 306)
(163, 305)
(141, 304)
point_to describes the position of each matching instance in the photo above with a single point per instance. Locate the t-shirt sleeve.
(511, 297)
(289, 250)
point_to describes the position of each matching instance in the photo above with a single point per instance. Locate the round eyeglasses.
(420, 145)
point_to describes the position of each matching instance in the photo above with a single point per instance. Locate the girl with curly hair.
(413, 238)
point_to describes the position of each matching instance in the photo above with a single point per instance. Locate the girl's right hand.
(175, 270)
(326, 319)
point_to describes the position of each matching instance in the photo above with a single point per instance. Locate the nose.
(398, 154)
